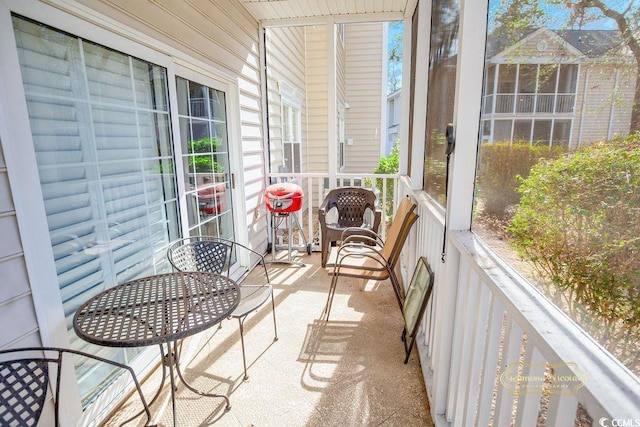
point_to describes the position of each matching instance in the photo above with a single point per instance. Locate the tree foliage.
(577, 224)
(388, 165)
(501, 166)
(201, 159)
(394, 74)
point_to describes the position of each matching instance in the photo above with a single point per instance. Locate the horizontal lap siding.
(17, 311)
(317, 98)
(364, 71)
(606, 110)
(285, 63)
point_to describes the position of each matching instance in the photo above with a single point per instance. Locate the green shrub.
(578, 224)
(388, 165)
(204, 162)
(501, 165)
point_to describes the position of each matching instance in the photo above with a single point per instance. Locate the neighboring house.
(366, 88)
(394, 108)
(546, 86)
(297, 61)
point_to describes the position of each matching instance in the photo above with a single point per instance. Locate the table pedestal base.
(170, 358)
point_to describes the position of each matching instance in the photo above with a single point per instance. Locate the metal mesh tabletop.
(156, 309)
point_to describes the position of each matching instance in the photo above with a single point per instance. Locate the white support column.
(468, 102)
(332, 103)
(406, 82)
(467, 105)
(420, 95)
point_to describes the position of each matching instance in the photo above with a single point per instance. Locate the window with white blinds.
(101, 131)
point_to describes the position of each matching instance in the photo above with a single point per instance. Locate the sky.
(559, 14)
(394, 30)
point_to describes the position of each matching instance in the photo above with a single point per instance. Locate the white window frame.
(291, 114)
(342, 148)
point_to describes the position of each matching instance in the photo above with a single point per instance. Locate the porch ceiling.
(342, 10)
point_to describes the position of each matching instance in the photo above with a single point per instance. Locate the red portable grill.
(282, 200)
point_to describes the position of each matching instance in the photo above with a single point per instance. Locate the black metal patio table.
(162, 310)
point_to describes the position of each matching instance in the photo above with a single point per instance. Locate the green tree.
(577, 224)
(201, 159)
(388, 165)
(394, 73)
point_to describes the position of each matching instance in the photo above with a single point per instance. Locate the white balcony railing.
(527, 103)
(494, 351)
(316, 185)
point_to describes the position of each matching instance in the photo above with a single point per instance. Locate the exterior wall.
(394, 110)
(16, 302)
(285, 64)
(317, 120)
(365, 82)
(341, 65)
(341, 91)
(606, 110)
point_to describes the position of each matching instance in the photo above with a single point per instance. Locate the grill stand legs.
(291, 220)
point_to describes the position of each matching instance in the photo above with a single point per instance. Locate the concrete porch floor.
(347, 372)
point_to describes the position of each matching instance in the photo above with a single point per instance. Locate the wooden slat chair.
(369, 257)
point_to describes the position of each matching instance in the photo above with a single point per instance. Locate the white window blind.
(101, 131)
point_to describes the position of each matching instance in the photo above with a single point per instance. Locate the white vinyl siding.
(317, 84)
(286, 83)
(16, 305)
(604, 101)
(365, 80)
(100, 127)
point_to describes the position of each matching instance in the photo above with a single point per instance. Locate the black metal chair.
(217, 255)
(352, 205)
(26, 374)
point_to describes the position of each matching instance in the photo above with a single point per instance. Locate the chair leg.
(396, 286)
(326, 247)
(273, 310)
(244, 356)
(332, 291)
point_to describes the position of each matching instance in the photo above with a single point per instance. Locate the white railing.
(316, 185)
(524, 103)
(494, 351)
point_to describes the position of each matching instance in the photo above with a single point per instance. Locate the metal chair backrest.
(26, 374)
(399, 230)
(197, 254)
(23, 390)
(351, 204)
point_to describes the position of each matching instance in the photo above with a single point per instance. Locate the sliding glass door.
(205, 154)
(101, 133)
